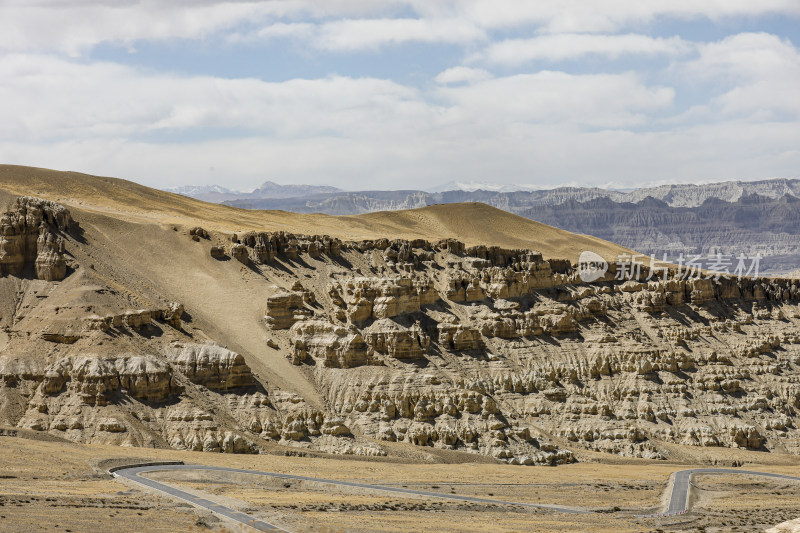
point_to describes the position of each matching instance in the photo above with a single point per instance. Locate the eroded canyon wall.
(496, 352)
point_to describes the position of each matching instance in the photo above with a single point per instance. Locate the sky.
(365, 94)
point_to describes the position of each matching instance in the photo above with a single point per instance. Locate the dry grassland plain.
(56, 486)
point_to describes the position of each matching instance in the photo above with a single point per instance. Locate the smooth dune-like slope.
(473, 223)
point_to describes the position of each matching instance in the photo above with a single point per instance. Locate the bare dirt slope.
(472, 223)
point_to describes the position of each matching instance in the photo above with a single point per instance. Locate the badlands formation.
(135, 317)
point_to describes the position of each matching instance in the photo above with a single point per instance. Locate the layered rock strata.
(480, 349)
(32, 236)
(609, 365)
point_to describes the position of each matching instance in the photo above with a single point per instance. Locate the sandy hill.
(473, 223)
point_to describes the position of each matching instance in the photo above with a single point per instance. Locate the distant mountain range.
(480, 186)
(335, 201)
(728, 217)
(752, 224)
(268, 189)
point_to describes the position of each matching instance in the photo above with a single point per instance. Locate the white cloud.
(514, 52)
(73, 28)
(575, 16)
(545, 127)
(462, 74)
(296, 30)
(76, 26)
(532, 127)
(349, 35)
(46, 97)
(597, 100)
(345, 35)
(760, 74)
(747, 56)
(535, 154)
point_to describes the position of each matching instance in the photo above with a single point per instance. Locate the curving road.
(679, 499)
(678, 502)
(132, 473)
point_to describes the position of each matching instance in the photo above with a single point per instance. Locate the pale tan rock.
(137, 319)
(284, 309)
(95, 379)
(97, 323)
(605, 368)
(212, 366)
(266, 247)
(172, 314)
(61, 336)
(50, 264)
(335, 346)
(458, 337)
(239, 252)
(388, 337)
(31, 233)
(700, 290)
(199, 233)
(378, 298)
(789, 526)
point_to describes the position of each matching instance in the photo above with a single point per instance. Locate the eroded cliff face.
(495, 352)
(31, 236)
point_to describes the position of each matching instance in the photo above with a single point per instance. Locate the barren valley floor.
(56, 486)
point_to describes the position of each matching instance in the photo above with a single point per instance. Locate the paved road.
(678, 502)
(679, 499)
(132, 474)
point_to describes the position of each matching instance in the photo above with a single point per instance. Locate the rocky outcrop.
(198, 233)
(458, 337)
(426, 412)
(508, 321)
(388, 337)
(212, 366)
(376, 298)
(50, 264)
(172, 314)
(335, 346)
(32, 235)
(136, 319)
(97, 380)
(144, 399)
(239, 252)
(263, 247)
(609, 366)
(284, 308)
(478, 281)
